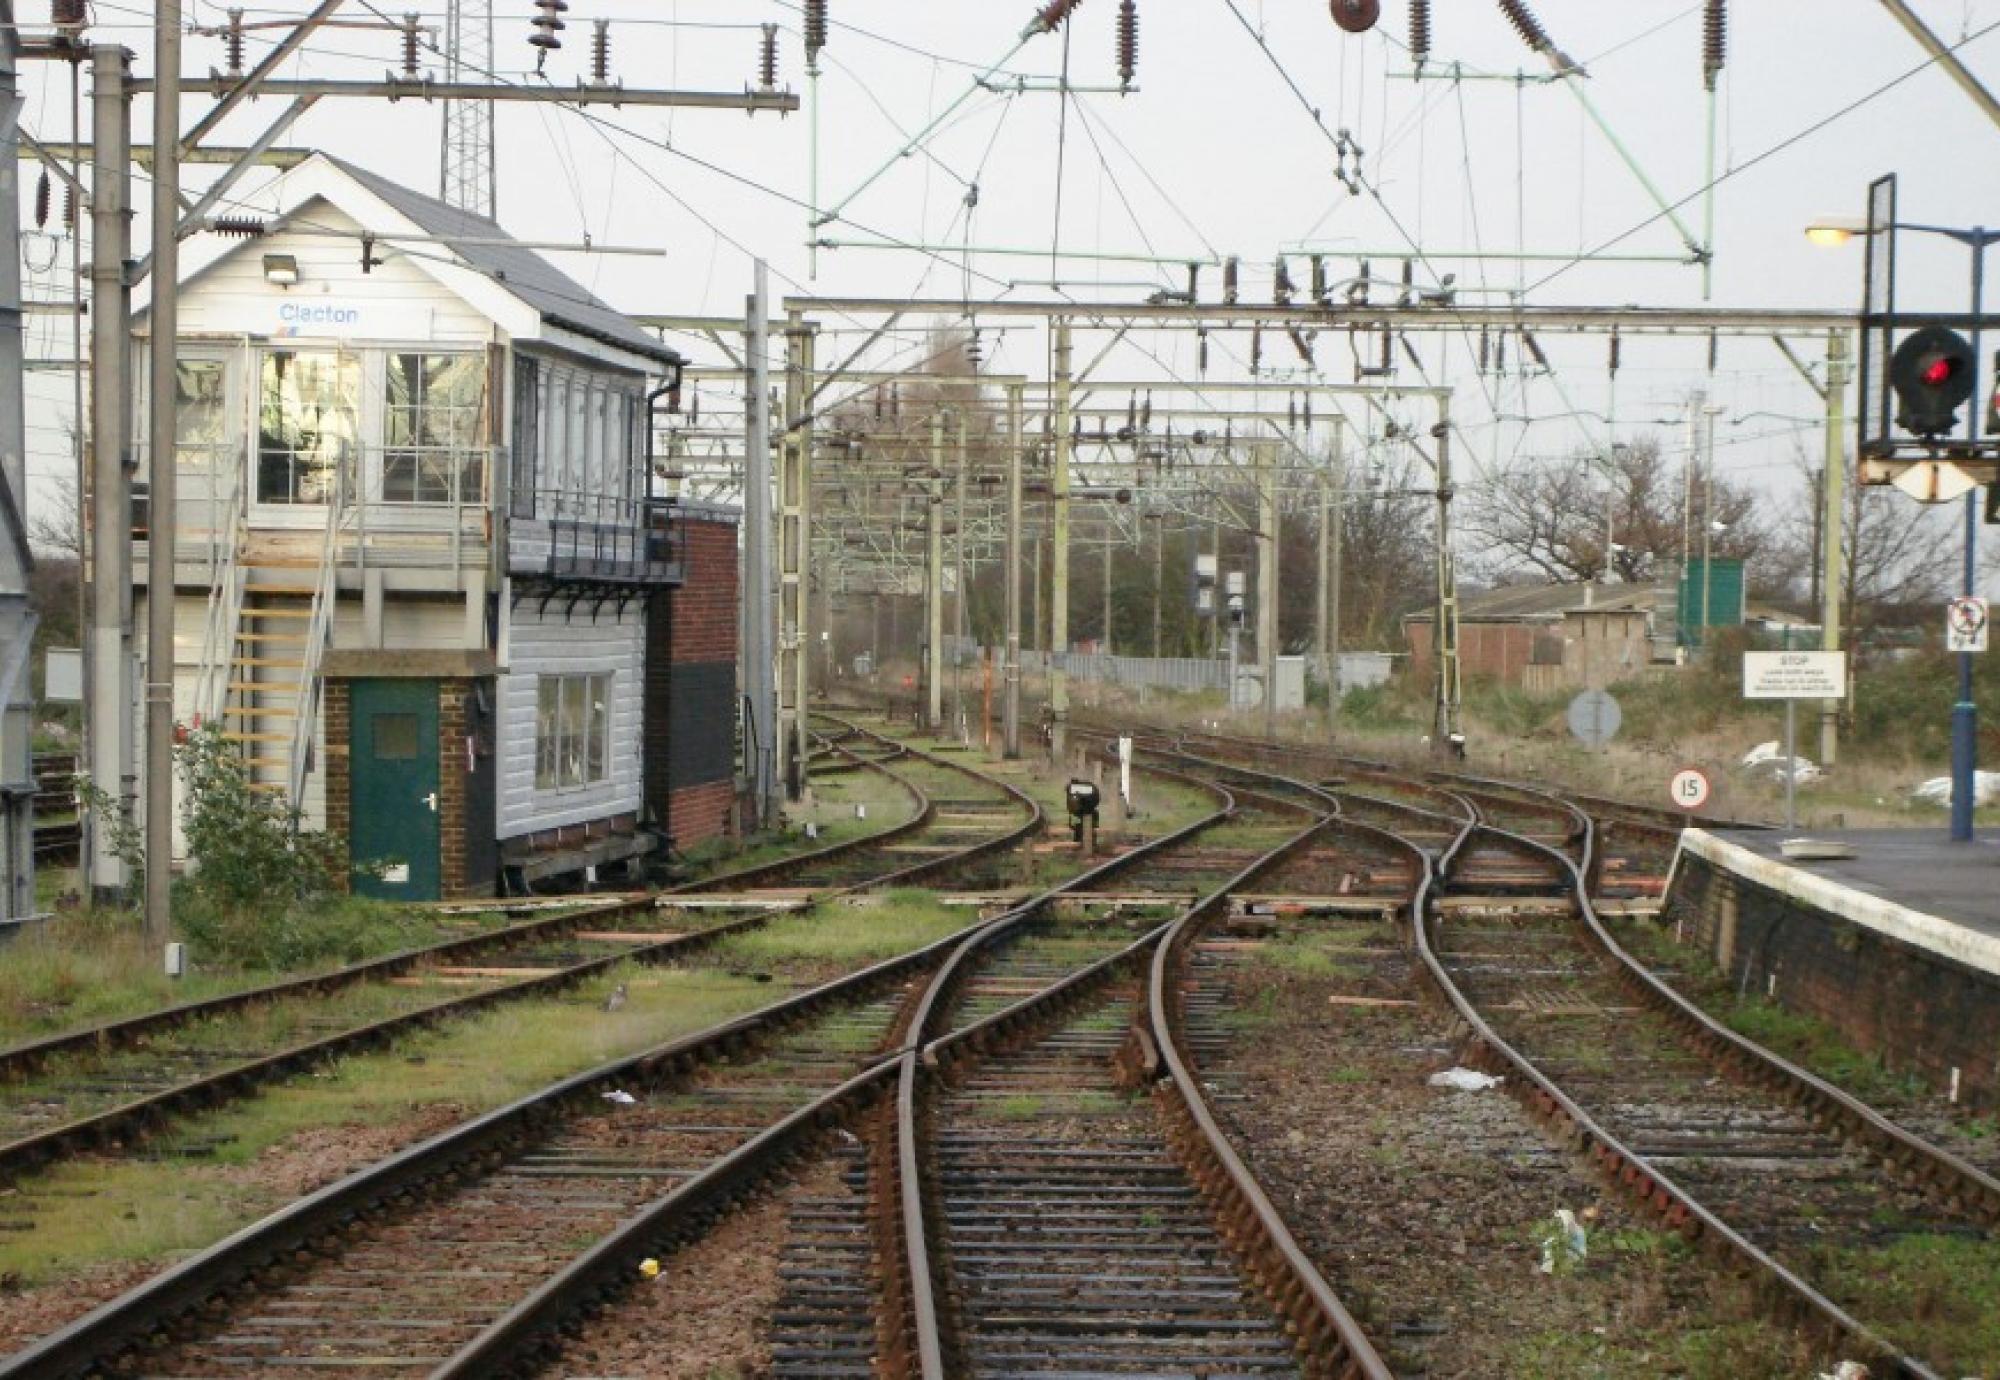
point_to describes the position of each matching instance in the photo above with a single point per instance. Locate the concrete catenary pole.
(934, 582)
(160, 498)
(1110, 536)
(1010, 709)
(759, 679)
(1323, 595)
(17, 620)
(1267, 582)
(1834, 527)
(1338, 527)
(111, 737)
(960, 625)
(1444, 726)
(1159, 574)
(1059, 571)
(795, 612)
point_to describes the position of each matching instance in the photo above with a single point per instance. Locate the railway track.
(1820, 1196)
(110, 1086)
(1049, 1224)
(1726, 1141)
(457, 1256)
(1634, 845)
(1830, 1204)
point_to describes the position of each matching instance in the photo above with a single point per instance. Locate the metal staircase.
(261, 654)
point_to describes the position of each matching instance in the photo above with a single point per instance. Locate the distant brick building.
(691, 640)
(1547, 638)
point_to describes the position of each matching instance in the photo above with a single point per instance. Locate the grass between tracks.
(1936, 1295)
(830, 812)
(90, 966)
(221, 1171)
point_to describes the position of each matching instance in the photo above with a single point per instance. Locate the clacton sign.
(1794, 675)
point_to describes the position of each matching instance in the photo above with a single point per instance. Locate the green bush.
(262, 891)
(1387, 705)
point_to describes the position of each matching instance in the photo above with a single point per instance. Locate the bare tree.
(1896, 551)
(52, 527)
(1550, 518)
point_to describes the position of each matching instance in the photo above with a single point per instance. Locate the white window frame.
(567, 758)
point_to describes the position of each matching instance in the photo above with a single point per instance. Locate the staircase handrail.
(318, 631)
(227, 576)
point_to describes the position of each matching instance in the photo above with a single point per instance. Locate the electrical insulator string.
(548, 25)
(233, 43)
(1054, 13)
(1714, 40)
(767, 59)
(600, 52)
(1128, 42)
(815, 28)
(1525, 24)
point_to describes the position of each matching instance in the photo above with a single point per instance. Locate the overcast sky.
(1213, 154)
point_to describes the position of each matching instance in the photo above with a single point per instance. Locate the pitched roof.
(526, 274)
(1551, 603)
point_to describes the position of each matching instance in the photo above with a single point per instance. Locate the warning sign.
(1689, 788)
(1965, 625)
(1794, 675)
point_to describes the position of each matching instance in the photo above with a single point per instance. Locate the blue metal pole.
(1964, 715)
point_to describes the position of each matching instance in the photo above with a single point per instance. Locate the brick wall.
(1917, 1011)
(452, 729)
(695, 813)
(691, 636)
(337, 704)
(705, 609)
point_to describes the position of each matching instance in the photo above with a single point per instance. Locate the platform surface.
(1920, 870)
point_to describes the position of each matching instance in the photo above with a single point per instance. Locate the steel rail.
(470, 1148)
(764, 874)
(1940, 1171)
(1252, 1229)
(1623, 1166)
(465, 1150)
(922, 1329)
(604, 1269)
(1328, 1338)
(143, 1115)
(25, 1058)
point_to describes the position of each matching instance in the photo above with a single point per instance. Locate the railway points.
(1005, 810)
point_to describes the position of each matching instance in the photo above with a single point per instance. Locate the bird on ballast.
(616, 1000)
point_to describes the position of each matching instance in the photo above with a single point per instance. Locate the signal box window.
(572, 731)
(201, 416)
(308, 420)
(432, 429)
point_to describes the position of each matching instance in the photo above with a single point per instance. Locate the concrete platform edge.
(1887, 918)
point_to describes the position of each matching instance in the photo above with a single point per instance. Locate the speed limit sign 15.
(1689, 788)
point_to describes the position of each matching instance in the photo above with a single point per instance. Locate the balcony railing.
(422, 508)
(600, 540)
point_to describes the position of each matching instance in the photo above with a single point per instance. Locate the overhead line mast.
(468, 176)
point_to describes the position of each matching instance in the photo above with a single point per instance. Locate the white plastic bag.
(1465, 1080)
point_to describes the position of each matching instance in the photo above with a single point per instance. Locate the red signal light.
(1932, 374)
(1937, 373)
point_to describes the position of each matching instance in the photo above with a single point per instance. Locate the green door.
(393, 788)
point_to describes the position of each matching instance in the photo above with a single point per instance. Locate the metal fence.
(1163, 673)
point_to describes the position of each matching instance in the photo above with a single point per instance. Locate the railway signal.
(1932, 372)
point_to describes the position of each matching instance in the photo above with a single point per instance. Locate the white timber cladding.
(333, 299)
(425, 554)
(553, 643)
